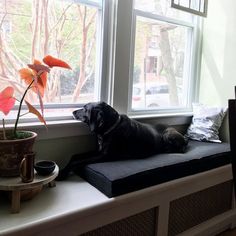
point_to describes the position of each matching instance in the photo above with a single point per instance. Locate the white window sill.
(63, 204)
(71, 127)
(180, 118)
(55, 129)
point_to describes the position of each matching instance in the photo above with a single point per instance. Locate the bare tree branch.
(35, 28)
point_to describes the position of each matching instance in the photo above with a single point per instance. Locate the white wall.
(218, 69)
(60, 150)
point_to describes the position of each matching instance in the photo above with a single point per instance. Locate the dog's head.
(99, 116)
(174, 141)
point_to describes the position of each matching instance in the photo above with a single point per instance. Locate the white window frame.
(124, 59)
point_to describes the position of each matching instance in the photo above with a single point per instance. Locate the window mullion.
(122, 55)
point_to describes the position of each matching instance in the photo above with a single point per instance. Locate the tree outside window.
(163, 50)
(65, 29)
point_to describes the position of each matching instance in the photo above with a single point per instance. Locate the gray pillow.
(206, 122)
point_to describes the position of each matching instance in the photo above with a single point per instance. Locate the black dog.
(120, 137)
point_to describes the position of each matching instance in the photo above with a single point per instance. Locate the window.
(163, 55)
(198, 7)
(68, 29)
(137, 55)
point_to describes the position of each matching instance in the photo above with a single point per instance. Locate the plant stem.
(24, 114)
(19, 109)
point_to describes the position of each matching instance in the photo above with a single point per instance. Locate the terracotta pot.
(12, 152)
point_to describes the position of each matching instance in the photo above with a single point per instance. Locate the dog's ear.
(100, 119)
(96, 120)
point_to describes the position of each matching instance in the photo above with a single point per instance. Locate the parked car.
(155, 95)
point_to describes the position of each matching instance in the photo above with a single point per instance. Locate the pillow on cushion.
(206, 122)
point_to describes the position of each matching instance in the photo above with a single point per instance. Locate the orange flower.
(41, 72)
(52, 62)
(27, 75)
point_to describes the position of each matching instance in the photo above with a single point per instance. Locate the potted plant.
(14, 143)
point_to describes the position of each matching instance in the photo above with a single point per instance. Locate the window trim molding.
(196, 60)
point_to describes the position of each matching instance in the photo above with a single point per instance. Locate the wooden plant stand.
(15, 185)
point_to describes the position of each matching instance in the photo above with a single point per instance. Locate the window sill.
(55, 129)
(52, 207)
(180, 118)
(70, 127)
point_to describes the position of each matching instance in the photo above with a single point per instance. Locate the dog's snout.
(79, 114)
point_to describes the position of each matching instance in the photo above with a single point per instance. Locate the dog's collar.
(113, 126)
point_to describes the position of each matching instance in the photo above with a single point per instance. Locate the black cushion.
(119, 177)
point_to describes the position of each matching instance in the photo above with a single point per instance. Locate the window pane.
(160, 65)
(195, 5)
(184, 3)
(65, 29)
